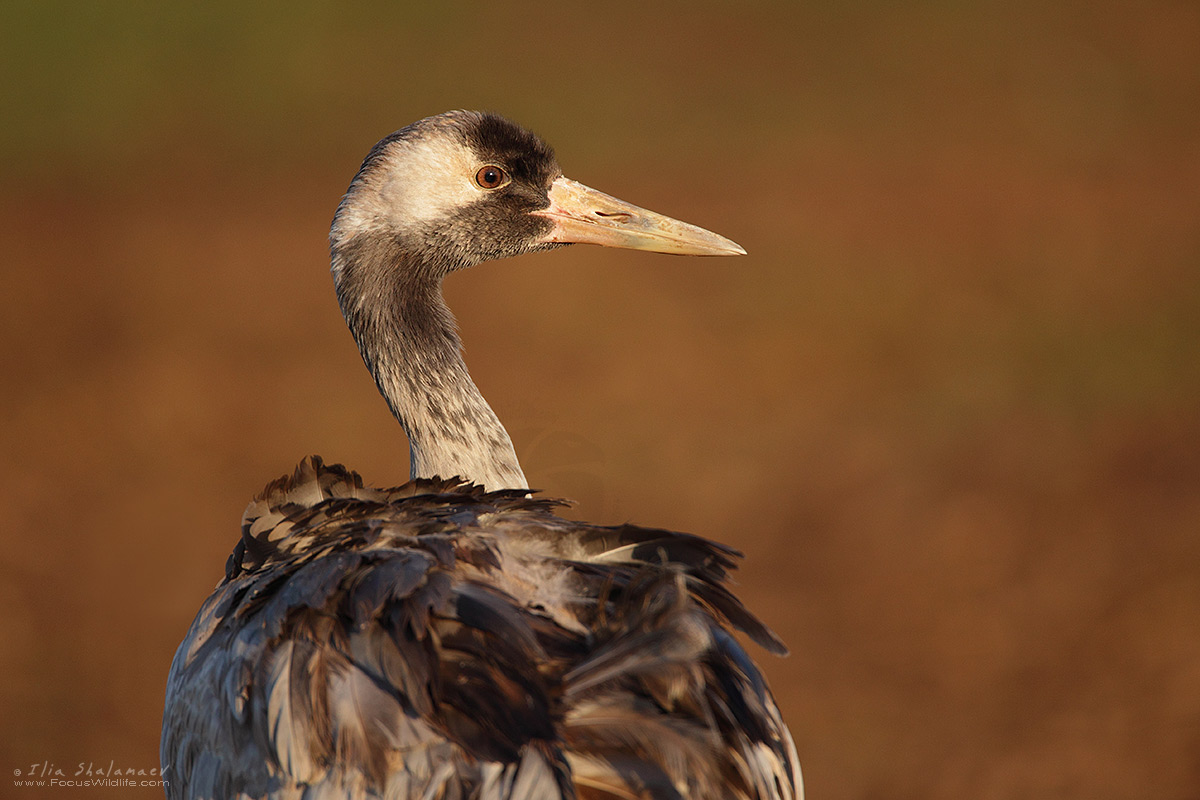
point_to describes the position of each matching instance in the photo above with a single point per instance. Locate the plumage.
(453, 637)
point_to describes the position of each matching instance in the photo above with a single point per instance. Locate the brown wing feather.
(438, 640)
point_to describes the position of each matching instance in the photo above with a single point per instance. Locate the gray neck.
(407, 338)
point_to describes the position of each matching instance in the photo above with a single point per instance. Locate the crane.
(454, 637)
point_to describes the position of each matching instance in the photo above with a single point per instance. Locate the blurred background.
(949, 405)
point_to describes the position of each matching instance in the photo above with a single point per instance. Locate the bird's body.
(453, 638)
(437, 640)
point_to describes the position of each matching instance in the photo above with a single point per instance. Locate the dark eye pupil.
(489, 177)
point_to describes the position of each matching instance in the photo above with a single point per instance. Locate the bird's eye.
(491, 177)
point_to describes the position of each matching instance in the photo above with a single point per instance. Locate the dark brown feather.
(368, 639)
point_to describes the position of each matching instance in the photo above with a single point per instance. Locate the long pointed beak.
(584, 215)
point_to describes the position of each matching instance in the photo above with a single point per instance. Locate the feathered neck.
(392, 302)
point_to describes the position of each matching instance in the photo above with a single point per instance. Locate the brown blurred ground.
(949, 405)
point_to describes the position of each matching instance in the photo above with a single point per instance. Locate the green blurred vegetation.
(125, 84)
(105, 85)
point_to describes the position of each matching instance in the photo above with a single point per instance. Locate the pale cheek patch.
(427, 180)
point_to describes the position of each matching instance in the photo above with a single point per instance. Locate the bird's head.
(463, 187)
